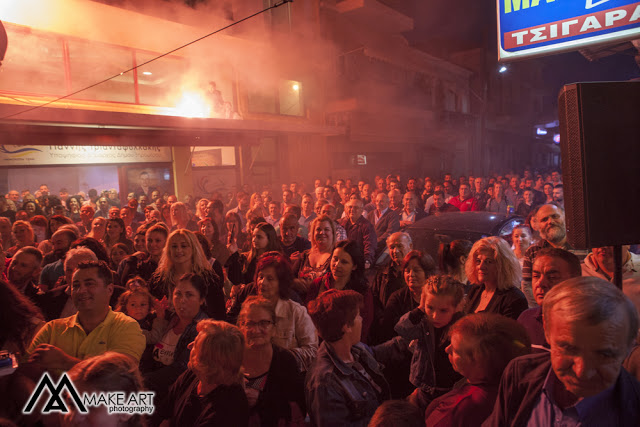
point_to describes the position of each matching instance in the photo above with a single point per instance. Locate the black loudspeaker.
(600, 145)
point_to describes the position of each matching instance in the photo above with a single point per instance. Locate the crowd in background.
(304, 306)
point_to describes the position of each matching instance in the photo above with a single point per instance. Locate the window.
(262, 101)
(290, 99)
(158, 79)
(278, 19)
(287, 101)
(213, 156)
(33, 63)
(92, 62)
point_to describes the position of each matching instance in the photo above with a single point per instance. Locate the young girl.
(427, 327)
(138, 303)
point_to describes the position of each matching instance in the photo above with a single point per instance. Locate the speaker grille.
(572, 166)
(600, 144)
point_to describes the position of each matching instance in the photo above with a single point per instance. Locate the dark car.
(446, 227)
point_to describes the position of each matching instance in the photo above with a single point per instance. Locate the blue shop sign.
(542, 27)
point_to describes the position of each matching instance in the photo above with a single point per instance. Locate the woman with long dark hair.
(74, 204)
(210, 231)
(167, 359)
(116, 232)
(241, 267)
(347, 273)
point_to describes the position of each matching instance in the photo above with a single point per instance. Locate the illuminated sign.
(541, 27)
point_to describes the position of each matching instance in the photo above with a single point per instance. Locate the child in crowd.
(136, 282)
(427, 328)
(138, 303)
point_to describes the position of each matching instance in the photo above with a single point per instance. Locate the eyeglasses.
(262, 324)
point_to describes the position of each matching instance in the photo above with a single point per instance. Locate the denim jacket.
(414, 325)
(338, 395)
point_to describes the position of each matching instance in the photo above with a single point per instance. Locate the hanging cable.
(275, 5)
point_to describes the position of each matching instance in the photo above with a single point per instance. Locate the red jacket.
(470, 204)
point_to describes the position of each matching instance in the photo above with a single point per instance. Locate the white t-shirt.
(164, 350)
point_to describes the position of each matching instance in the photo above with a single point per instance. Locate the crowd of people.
(314, 308)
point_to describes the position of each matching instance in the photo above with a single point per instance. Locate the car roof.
(475, 222)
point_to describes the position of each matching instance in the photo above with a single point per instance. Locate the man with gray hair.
(590, 326)
(390, 277)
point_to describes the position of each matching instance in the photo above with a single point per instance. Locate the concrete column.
(182, 172)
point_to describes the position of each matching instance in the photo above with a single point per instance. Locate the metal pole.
(617, 271)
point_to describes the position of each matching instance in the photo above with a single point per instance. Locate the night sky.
(442, 26)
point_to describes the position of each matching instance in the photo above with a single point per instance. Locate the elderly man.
(551, 266)
(291, 242)
(390, 277)
(395, 201)
(360, 230)
(385, 221)
(599, 263)
(410, 212)
(553, 233)
(590, 326)
(94, 330)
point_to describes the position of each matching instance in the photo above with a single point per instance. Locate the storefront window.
(33, 63)
(160, 78)
(92, 62)
(213, 156)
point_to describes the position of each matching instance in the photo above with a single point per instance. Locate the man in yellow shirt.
(93, 330)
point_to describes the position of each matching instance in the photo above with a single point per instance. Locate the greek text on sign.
(538, 27)
(17, 155)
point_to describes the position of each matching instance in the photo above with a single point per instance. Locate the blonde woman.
(183, 254)
(494, 271)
